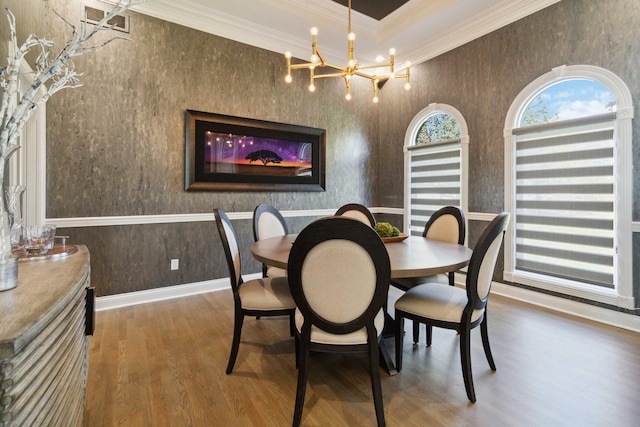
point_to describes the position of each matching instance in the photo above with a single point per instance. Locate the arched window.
(436, 153)
(568, 185)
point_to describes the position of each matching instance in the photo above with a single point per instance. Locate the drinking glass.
(38, 239)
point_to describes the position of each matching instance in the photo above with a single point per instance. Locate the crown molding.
(479, 25)
(407, 28)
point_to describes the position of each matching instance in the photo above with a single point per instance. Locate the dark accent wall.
(482, 78)
(115, 146)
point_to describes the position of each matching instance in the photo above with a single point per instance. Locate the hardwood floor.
(162, 364)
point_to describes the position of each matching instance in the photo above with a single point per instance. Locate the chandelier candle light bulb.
(352, 68)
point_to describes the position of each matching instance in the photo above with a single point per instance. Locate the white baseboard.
(110, 302)
(562, 305)
(586, 311)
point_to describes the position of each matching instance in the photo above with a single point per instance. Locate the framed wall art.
(226, 153)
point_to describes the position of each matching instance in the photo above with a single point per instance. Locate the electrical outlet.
(175, 264)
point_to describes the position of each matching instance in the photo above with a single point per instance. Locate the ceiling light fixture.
(352, 68)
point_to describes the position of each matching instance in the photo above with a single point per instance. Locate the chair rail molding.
(107, 221)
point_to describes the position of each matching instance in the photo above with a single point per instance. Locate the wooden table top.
(45, 288)
(413, 257)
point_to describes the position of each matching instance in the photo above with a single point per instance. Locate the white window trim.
(622, 294)
(28, 166)
(409, 141)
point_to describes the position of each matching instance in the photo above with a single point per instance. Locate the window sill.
(568, 287)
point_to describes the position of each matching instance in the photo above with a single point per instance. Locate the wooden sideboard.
(44, 346)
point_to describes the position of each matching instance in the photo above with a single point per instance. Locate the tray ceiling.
(418, 29)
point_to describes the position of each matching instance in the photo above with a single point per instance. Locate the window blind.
(435, 180)
(564, 215)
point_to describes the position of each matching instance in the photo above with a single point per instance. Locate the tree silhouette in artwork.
(265, 156)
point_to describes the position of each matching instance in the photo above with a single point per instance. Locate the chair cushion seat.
(276, 272)
(437, 302)
(406, 283)
(357, 337)
(266, 294)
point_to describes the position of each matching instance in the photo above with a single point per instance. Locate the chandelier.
(352, 68)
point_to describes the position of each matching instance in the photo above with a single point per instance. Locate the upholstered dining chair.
(456, 308)
(357, 211)
(447, 224)
(269, 222)
(338, 271)
(257, 297)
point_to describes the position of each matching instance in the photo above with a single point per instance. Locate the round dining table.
(415, 256)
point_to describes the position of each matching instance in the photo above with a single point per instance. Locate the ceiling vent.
(93, 16)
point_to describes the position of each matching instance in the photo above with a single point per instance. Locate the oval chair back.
(483, 263)
(269, 222)
(339, 274)
(447, 224)
(231, 249)
(357, 211)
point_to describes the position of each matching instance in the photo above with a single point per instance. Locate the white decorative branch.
(58, 72)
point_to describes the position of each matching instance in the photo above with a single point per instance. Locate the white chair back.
(269, 225)
(444, 229)
(338, 280)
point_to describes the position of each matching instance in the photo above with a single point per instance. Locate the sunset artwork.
(227, 153)
(231, 153)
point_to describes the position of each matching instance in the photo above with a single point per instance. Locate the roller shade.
(564, 215)
(435, 180)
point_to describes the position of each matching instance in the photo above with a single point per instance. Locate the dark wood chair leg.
(429, 334)
(303, 371)
(296, 345)
(484, 332)
(292, 324)
(374, 372)
(399, 339)
(416, 332)
(465, 359)
(235, 344)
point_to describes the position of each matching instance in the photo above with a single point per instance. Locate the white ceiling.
(419, 30)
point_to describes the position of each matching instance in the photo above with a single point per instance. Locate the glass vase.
(13, 200)
(9, 261)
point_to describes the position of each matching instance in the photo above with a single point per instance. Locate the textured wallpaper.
(116, 145)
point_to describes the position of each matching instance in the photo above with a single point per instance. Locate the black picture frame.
(227, 153)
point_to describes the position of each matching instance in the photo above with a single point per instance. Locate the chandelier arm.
(370, 76)
(301, 66)
(320, 57)
(328, 75)
(333, 66)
